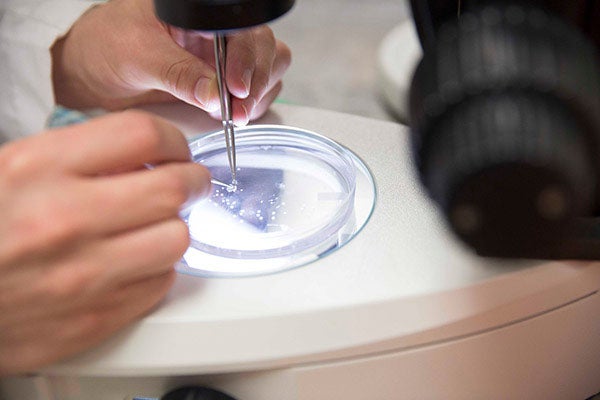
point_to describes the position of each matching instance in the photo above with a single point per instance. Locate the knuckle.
(18, 160)
(284, 54)
(175, 76)
(47, 226)
(265, 36)
(71, 284)
(174, 191)
(270, 40)
(56, 226)
(44, 231)
(261, 84)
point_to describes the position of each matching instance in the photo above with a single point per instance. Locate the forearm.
(28, 29)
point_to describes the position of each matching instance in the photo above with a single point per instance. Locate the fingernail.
(248, 107)
(206, 189)
(204, 93)
(246, 80)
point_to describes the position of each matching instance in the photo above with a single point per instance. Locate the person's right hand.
(88, 236)
(118, 55)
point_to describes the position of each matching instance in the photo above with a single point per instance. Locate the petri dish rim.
(297, 255)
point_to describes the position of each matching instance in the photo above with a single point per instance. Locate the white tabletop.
(402, 276)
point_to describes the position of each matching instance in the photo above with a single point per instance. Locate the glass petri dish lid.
(294, 200)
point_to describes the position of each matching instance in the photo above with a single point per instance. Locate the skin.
(77, 268)
(141, 60)
(89, 233)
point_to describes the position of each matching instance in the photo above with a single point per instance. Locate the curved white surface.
(403, 281)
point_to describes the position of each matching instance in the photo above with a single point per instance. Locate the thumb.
(185, 76)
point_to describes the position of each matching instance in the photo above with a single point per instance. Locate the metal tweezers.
(225, 98)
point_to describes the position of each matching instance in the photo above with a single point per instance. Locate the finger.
(262, 107)
(120, 202)
(116, 203)
(30, 324)
(99, 207)
(31, 346)
(129, 291)
(173, 69)
(262, 84)
(118, 141)
(256, 48)
(243, 52)
(133, 255)
(93, 270)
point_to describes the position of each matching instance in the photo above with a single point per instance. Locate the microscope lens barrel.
(220, 15)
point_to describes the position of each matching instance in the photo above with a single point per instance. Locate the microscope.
(504, 135)
(505, 119)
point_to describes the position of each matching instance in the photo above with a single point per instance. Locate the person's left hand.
(119, 55)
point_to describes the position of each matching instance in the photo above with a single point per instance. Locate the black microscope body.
(505, 120)
(505, 115)
(220, 15)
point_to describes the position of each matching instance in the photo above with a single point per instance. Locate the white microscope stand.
(403, 311)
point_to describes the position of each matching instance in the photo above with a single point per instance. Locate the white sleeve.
(28, 29)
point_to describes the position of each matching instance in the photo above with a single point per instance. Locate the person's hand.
(119, 54)
(89, 236)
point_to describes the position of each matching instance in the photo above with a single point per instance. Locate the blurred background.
(334, 47)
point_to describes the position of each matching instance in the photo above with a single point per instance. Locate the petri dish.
(294, 201)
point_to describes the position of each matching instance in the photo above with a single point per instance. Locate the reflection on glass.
(294, 200)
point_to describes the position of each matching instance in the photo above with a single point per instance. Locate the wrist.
(73, 85)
